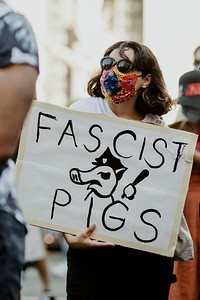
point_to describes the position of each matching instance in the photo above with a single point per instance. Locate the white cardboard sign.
(128, 177)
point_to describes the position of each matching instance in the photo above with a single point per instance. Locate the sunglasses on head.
(124, 66)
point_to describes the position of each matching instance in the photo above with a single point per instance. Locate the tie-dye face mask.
(118, 87)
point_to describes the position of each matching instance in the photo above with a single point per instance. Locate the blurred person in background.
(60, 269)
(196, 61)
(129, 85)
(19, 68)
(36, 256)
(187, 286)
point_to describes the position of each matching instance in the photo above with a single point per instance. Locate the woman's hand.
(83, 240)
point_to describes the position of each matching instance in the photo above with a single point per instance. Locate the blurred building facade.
(72, 36)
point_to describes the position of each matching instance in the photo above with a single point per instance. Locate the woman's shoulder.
(83, 101)
(154, 119)
(90, 104)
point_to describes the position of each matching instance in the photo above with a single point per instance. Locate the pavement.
(32, 286)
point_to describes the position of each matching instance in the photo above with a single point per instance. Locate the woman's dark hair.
(154, 99)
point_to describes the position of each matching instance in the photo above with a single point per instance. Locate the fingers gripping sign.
(84, 240)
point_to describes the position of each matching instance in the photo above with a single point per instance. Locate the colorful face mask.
(118, 87)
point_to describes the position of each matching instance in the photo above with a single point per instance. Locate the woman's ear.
(146, 81)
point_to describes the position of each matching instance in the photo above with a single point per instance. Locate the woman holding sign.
(130, 85)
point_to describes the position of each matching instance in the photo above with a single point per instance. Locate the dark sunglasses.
(124, 66)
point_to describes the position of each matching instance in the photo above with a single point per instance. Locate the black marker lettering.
(70, 125)
(55, 202)
(145, 222)
(42, 127)
(180, 149)
(154, 146)
(122, 220)
(118, 136)
(98, 140)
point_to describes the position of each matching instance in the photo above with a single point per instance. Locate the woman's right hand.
(84, 241)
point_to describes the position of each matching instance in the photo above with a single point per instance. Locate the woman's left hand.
(84, 241)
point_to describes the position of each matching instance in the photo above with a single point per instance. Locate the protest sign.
(130, 178)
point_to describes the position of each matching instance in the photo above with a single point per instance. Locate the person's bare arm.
(197, 159)
(17, 87)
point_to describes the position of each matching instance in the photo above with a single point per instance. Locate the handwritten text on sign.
(130, 178)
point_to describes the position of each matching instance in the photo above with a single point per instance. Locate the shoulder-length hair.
(154, 99)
